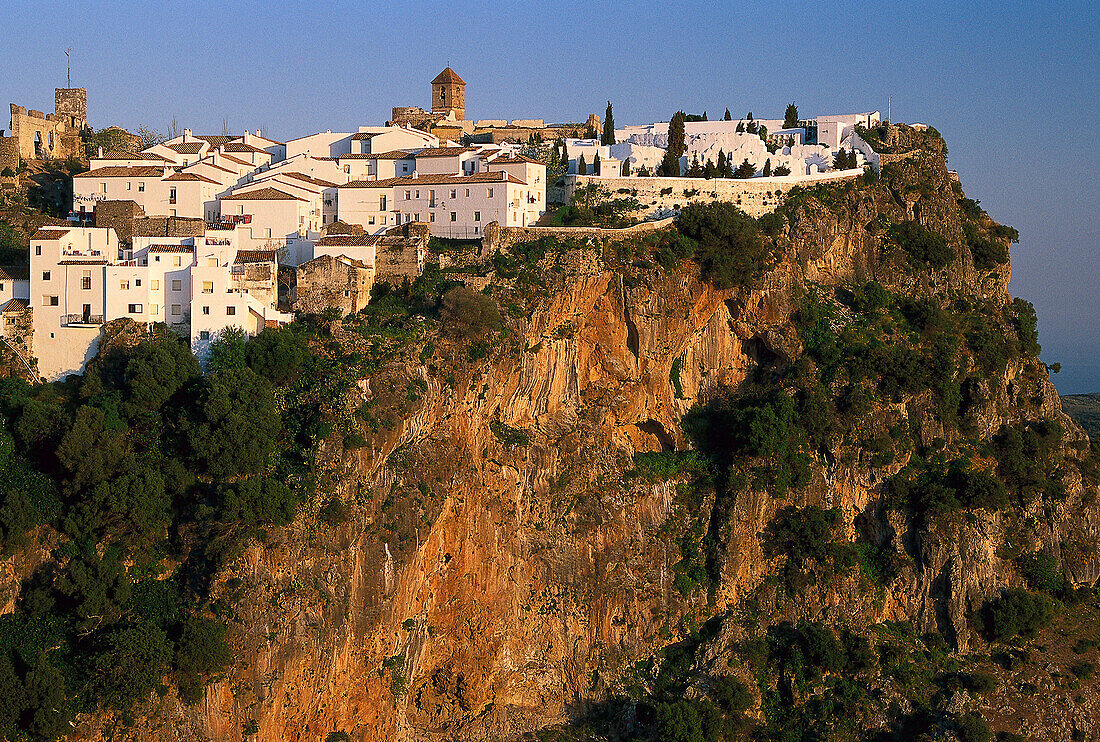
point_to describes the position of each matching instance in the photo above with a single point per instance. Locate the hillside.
(1085, 409)
(802, 477)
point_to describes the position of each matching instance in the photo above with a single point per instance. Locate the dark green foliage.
(279, 355)
(608, 135)
(469, 314)
(790, 116)
(509, 436)
(771, 224)
(255, 501)
(936, 488)
(973, 728)
(582, 167)
(1042, 573)
(1026, 456)
(802, 534)
(782, 170)
(670, 164)
(13, 246)
(130, 659)
(158, 369)
(745, 170)
(1022, 316)
(227, 352)
(921, 245)
(660, 466)
(338, 736)
(1016, 613)
(987, 254)
(730, 250)
(236, 424)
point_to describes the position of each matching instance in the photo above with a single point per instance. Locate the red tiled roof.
(119, 155)
(360, 136)
(49, 234)
(14, 305)
(254, 256)
(443, 179)
(171, 248)
(15, 272)
(444, 151)
(216, 141)
(187, 148)
(309, 179)
(231, 158)
(262, 194)
(121, 171)
(191, 176)
(241, 147)
(348, 240)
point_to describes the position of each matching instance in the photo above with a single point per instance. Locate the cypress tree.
(721, 163)
(790, 118)
(763, 133)
(564, 155)
(709, 170)
(626, 168)
(768, 168)
(704, 115)
(582, 168)
(555, 161)
(670, 164)
(852, 159)
(841, 161)
(596, 165)
(695, 171)
(728, 117)
(608, 136)
(740, 127)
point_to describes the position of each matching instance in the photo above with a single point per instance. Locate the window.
(231, 311)
(267, 233)
(45, 275)
(408, 195)
(103, 187)
(175, 310)
(454, 216)
(204, 334)
(212, 262)
(156, 259)
(477, 216)
(381, 203)
(171, 195)
(177, 284)
(154, 285)
(86, 281)
(134, 309)
(123, 285)
(208, 287)
(137, 281)
(370, 220)
(172, 212)
(454, 193)
(431, 216)
(154, 309)
(206, 310)
(467, 193)
(141, 187)
(50, 301)
(129, 186)
(490, 193)
(38, 249)
(418, 193)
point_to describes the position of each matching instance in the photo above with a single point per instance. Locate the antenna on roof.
(68, 69)
(890, 109)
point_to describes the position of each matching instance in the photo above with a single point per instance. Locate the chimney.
(186, 135)
(101, 153)
(167, 170)
(259, 133)
(214, 158)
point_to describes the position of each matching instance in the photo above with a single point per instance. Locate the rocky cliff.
(503, 560)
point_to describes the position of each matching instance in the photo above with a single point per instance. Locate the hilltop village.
(207, 232)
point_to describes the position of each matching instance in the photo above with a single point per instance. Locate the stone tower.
(449, 94)
(71, 105)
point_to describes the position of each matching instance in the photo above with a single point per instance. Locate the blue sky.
(1014, 88)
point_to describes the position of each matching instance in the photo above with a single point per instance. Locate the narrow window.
(154, 285)
(208, 287)
(124, 285)
(134, 309)
(477, 216)
(45, 275)
(230, 310)
(206, 310)
(175, 310)
(177, 284)
(454, 216)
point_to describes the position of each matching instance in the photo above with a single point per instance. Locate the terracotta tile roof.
(262, 194)
(49, 234)
(191, 176)
(14, 305)
(348, 240)
(187, 148)
(82, 261)
(241, 147)
(448, 76)
(15, 272)
(121, 171)
(442, 179)
(339, 227)
(513, 160)
(209, 162)
(171, 249)
(231, 158)
(254, 256)
(444, 151)
(309, 179)
(216, 141)
(120, 155)
(362, 135)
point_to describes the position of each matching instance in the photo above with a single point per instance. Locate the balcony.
(81, 319)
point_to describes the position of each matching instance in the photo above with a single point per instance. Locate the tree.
(841, 160)
(729, 248)
(608, 136)
(763, 132)
(235, 425)
(751, 128)
(156, 370)
(768, 168)
(696, 170)
(564, 156)
(596, 164)
(467, 313)
(582, 167)
(643, 172)
(590, 132)
(727, 117)
(740, 127)
(782, 170)
(670, 165)
(721, 167)
(745, 170)
(790, 118)
(626, 168)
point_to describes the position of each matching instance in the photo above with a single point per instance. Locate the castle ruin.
(35, 135)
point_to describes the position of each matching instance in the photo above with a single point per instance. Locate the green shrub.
(921, 245)
(1041, 572)
(660, 466)
(729, 248)
(1017, 613)
(973, 728)
(802, 534)
(468, 314)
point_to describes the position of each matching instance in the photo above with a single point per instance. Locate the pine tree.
(782, 170)
(745, 170)
(740, 127)
(582, 168)
(596, 165)
(626, 168)
(709, 170)
(790, 118)
(750, 115)
(768, 168)
(728, 117)
(841, 161)
(751, 128)
(608, 126)
(696, 170)
(670, 164)
(643, 172)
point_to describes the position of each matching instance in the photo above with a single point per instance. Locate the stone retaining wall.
(501, 238)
